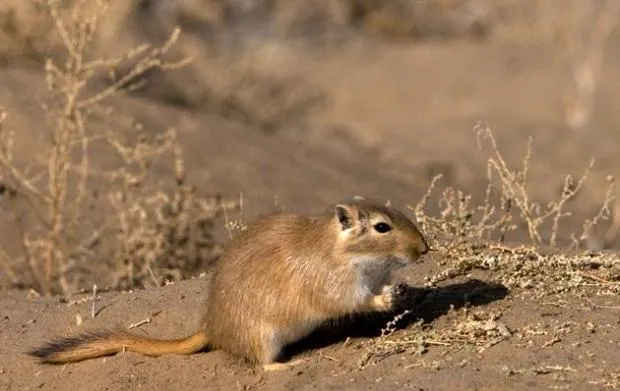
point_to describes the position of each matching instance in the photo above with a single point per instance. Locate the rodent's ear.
(345, 215)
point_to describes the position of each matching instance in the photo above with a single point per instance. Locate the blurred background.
(296, 104)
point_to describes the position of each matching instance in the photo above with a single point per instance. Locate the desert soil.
(567, 343)
(392, 115)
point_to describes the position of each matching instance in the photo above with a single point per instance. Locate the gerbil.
(278, 281)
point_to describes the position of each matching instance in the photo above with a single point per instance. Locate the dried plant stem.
(59, 201)
(506, 199)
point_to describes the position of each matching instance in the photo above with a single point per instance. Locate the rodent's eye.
(382, 228)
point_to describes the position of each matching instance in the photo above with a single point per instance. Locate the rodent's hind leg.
(273, 342)
(281, 366)
(271, 349)
(388, 298)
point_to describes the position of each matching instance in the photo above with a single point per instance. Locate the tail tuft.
(49, 352)
(103, 343)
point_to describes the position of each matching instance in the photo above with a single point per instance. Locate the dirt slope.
(568, 344)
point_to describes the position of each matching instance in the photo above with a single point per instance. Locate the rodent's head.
(370, 230)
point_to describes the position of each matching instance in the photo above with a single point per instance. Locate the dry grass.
(162, 236)
(148, 223)
(507, 204)
(555, 277)
(477, 330)
(466, 237)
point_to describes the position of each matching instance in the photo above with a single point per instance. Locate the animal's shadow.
(424, 304)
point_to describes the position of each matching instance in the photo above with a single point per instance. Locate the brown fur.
(97, 344)
(278, 280)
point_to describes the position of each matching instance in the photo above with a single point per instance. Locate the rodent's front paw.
(391, 294)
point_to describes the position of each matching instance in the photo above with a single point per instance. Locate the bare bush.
(507, 204)
(466, 237)
(59, 193)
(162, 236)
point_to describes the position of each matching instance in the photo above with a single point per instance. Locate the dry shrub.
(162, 236)
(57, 246)
(466, 237)
(507, 204)
(234, 72)
(220, 37)
(468, 328)
(225, 38)
(530, 273)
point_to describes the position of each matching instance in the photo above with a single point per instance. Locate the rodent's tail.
(104, 343)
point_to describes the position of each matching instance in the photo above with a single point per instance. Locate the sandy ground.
(559, 344)
(391, 116)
